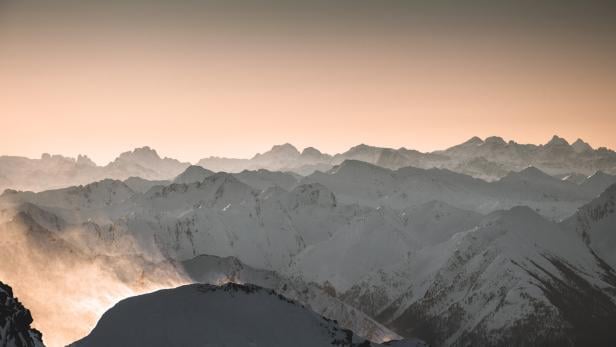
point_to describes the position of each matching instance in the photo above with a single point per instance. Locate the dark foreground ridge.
(15, 320)
(230, 315)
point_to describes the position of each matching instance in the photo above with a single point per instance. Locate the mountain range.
(489, 159)
(411, 252)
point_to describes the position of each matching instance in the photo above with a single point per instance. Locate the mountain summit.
(557, 141)
(229, 315)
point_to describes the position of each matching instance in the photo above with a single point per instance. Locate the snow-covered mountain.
(360, 182)
(425, 252)
(598, 182)
(53, 265)
(15, 320)
(107, 250)
(227, 315)
(514, 279)
(216, 270)
(595, 222)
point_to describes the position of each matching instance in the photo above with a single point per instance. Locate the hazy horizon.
(162, 153)
(201, 78)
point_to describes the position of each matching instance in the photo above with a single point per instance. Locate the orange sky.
(100, 84)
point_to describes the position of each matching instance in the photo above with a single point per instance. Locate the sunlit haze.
(307, 173)
(101, 79)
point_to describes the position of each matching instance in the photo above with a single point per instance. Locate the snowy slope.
(597, 183)
(98, 201)
(595, 222)
(227, 315)
(215, 270)
(367, 243)
(373, 240)
(371, 185)
(494, 283)
(436, 221)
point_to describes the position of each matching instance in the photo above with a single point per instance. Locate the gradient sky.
(231, 78)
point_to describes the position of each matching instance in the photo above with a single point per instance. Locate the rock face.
(15, 320)
(231, 315)
(515, 279)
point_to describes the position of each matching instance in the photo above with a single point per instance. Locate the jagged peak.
(16, 320)
(144, 152)
(580, 146)
(495, 140)
(475, 140)
(84, 160)
(285, 149)
(557, 141)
